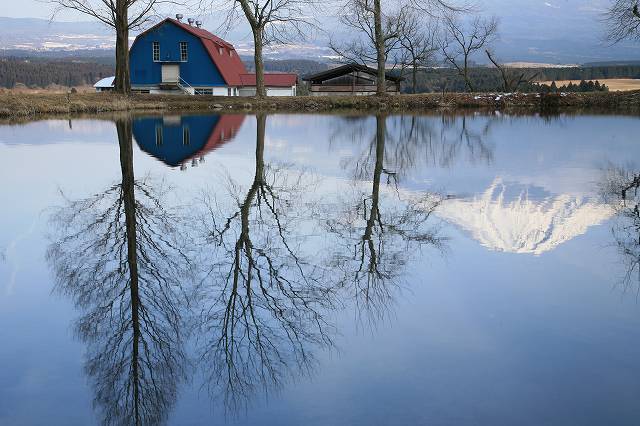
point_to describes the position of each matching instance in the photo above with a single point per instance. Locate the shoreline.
(15, 105)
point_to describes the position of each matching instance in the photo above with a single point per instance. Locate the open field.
(17, 104)
(51, 89)
(614, 84)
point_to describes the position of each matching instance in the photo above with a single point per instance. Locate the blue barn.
(175, 57)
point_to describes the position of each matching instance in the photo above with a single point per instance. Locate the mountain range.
(553, 32)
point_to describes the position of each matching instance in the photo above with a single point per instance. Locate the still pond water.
(320, 270)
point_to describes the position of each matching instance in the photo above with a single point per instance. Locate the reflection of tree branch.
(265, 300)
(122, 257)
(620, 190)
(465, 137)
(414, 141)
(379, 237)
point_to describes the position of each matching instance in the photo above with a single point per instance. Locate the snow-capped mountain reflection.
(511, 218)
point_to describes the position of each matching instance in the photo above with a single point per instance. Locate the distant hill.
(299, 66)
(611, 64)
(42, 73)
(44, 35)
(105, 56)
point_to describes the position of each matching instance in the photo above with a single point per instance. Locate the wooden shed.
(350, 79)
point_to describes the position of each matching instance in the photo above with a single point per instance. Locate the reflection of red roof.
(270, 79)
(225, 129)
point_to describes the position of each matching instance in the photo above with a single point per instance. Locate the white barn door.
(170, 73)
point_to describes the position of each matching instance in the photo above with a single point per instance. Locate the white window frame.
(185, 57)
(159, 135)
(155, 51)
(186, 136)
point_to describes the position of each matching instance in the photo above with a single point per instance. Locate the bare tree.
(379, 30)
(512, 79)
(364, 49)
(460, 40)
(123, 258)
(264, 299)
(271, 21)
(623, 21)
(418, 45)
(123, 16)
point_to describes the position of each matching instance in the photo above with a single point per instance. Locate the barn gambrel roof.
(222, 53)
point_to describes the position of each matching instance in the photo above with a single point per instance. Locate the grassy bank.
(21, 105)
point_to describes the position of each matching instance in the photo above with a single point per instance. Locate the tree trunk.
(374, 212)
(257, 57)
(415, 76)
(467, 80)
(464, 75)
(381, 84)
(125, 140)
(503, 74)
(123, 79)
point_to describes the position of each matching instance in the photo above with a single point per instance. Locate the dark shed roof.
(346, 69)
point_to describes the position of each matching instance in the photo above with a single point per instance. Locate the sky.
(523, 8)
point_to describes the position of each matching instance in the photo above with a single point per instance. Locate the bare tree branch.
(623, 21)
(378, 30)
(512, 79)
(271, 21)
(460, 40)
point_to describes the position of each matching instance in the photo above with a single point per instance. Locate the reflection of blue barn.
(176, 140)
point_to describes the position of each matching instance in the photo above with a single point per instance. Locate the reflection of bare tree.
(377, 230)
(459, 136)
(121, 256)
(412, 141)
(621, 190)
(265, 301)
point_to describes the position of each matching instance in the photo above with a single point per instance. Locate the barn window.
(186, 136)
(183, 51)
(220, 50)
(158, 135)
(156, 51)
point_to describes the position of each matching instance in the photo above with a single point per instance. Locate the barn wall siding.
(198, 70)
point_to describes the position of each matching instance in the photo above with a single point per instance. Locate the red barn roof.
(222, 54)
(270, 79)
(227, 60)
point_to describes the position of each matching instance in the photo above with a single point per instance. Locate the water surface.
(322, 270)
